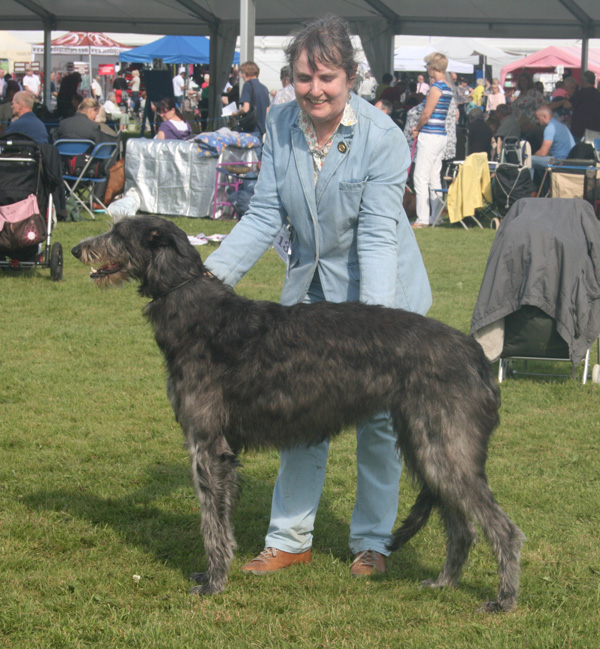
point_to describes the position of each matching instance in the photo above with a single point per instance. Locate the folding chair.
(567, 177)
(97, 155)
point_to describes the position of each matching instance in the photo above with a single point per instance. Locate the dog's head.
(149, 249)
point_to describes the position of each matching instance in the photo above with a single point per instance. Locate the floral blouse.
(526, 105)
(319, 152)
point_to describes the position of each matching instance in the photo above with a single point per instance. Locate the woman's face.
(322, 93)
(167, 114)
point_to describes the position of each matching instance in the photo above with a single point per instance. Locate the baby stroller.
(512, 177)
(539, 295)
(27, 211)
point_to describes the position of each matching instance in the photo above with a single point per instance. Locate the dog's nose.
(76, 251)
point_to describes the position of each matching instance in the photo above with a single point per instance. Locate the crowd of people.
(436, 109)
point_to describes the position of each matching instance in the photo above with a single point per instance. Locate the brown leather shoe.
(272, 560)
(368, 563)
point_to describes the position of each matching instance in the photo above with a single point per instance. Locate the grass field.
(99, 524)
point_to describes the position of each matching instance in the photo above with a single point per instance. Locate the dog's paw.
(431, 583)
(199, 577)
(205, 589)
(498, 606)
(205, 586)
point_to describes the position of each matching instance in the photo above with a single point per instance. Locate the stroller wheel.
(596, 374)
(56, 262)
(495, 223)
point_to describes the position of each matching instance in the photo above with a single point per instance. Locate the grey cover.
(546, 254)
(170, 176)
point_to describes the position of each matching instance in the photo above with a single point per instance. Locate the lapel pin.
(342, 148)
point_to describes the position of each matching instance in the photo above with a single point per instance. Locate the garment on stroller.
(546, 256)
(27, 212)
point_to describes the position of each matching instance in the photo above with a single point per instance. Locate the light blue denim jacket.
(351, 227)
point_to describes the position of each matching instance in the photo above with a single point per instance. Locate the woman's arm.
(379, 216)
(433, 96)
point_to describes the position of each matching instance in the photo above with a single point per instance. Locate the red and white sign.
(106, 69)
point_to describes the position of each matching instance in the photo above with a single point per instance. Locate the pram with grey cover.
(540, 294)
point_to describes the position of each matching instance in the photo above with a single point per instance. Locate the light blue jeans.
(302, 473)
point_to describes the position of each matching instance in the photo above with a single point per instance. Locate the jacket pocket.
(350, 197)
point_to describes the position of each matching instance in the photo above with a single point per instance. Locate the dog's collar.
(175, 288)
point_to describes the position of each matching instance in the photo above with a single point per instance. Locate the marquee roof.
(570, 19)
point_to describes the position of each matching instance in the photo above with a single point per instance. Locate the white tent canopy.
(375, 21)
(411, 59)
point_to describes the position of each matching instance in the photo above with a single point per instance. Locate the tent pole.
(47, 65)
(247, 31)
(585, 48)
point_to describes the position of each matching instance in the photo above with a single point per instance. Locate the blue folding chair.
(96, 157)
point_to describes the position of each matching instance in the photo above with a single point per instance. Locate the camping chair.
(567, 177)
(92, 172)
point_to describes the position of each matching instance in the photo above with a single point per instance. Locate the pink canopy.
(550, 58)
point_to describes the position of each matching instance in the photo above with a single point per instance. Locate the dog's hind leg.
(470, 498)
(506, 540)
(215, 480)
(460, 536)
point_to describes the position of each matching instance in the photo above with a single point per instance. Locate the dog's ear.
(162, 237)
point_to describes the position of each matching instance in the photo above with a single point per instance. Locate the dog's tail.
(415, 521)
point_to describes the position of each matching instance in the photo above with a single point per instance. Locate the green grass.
(94, 489)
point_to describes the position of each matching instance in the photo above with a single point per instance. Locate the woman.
(67, 91)
(432, 140)
(494, 99)
(135, 91)
(113, 112)
(173, 126)
(83, 125)
(333, 175)
(527, 103)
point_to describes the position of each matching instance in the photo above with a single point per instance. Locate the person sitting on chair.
(82, 126)
(557, 142)
(26, 123)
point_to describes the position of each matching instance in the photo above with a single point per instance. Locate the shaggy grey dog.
(245, 374)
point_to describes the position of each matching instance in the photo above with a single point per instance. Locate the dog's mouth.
(103, 271)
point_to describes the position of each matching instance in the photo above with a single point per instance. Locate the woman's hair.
(88, 104)
(167, 104)
(135, 73)
(527, 78)
(326, 41)
(437, 61)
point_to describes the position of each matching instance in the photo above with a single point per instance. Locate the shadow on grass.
(172, 534)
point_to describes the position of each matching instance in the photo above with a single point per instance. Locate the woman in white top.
(135, 91)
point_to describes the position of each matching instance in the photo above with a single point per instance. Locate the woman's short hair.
(88, 104)
(135, 73)
(250, 68)
(326, 41)
(437, 61)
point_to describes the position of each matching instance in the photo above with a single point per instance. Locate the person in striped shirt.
(431, 133)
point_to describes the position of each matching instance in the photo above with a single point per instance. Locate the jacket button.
(342, 148)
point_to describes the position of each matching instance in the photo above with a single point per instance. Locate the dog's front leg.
(215, 480)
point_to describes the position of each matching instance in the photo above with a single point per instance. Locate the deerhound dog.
(245, 374)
